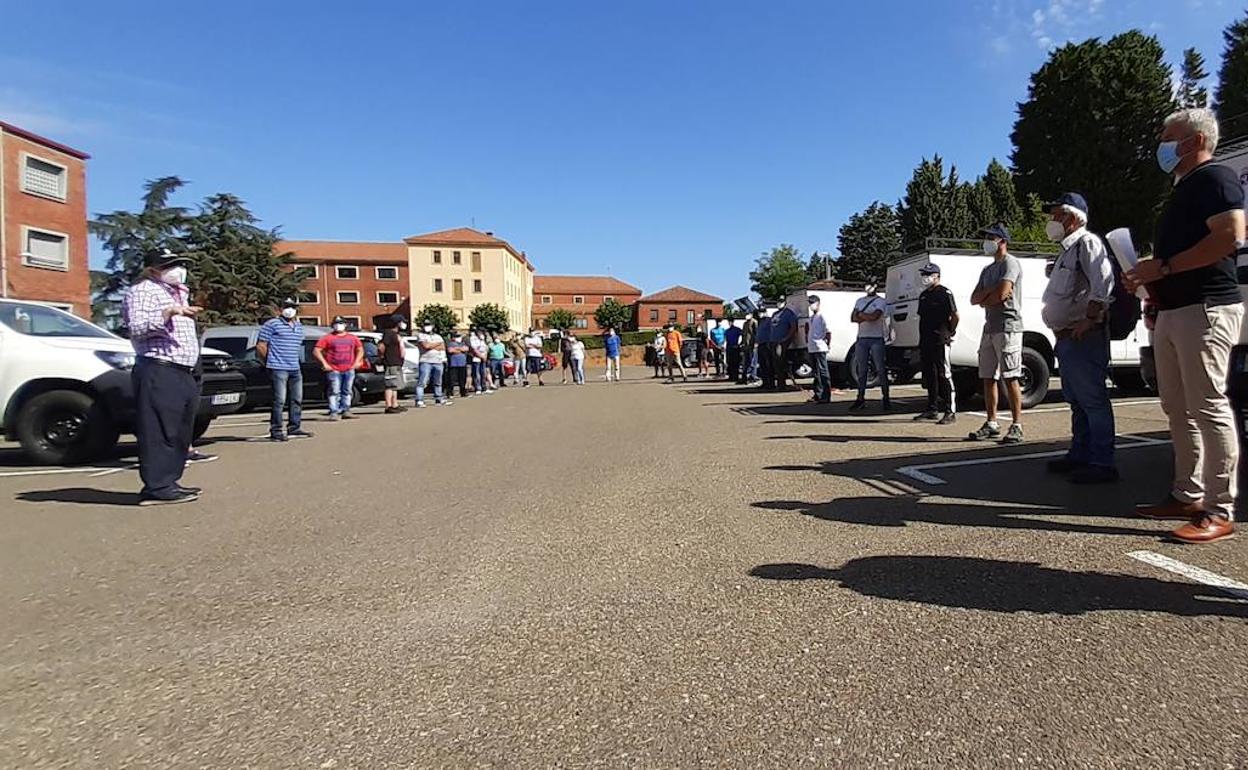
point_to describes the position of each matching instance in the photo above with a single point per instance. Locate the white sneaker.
(420, 404)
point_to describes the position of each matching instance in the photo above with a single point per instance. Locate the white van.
(836, 304)
(959, 272)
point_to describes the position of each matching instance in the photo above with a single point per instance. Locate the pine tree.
(1000, 184)
(130, 236)
(922, 211)
(1232, 92)
(869, 241)
(958, 220)
(1192, 92)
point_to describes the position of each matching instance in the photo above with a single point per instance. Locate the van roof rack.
(969, 247)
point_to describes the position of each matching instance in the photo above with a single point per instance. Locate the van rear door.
(901, 291)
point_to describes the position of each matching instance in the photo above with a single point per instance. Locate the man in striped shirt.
(161, 321)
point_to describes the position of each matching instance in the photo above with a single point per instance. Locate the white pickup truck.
(835, 303)
(959, 272)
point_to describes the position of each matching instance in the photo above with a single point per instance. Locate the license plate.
(226, 398)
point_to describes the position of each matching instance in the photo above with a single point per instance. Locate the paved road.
(628, 575)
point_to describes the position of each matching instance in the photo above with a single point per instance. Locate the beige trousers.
(1192, 346)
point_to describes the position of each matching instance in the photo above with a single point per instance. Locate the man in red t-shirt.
(339, 354)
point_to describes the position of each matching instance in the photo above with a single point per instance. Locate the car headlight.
(115, 359)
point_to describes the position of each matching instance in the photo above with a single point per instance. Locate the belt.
(163, 362)
(1069, 333)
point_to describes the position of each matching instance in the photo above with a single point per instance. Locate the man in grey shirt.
(1000, 293)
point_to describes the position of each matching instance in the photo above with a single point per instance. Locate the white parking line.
(54, 471)
(1212, 579)
(918, 472)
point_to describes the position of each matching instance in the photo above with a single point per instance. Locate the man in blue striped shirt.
(280, 346)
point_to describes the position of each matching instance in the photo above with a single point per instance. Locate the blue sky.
(666, 142)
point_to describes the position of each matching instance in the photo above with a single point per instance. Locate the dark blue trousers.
(166, 398)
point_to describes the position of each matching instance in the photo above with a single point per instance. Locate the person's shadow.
(79, 495)
(1007, 586)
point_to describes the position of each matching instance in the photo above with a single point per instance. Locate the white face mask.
(340, 327)
(288, 312)
(990, 248)
(927, 280)
(428, 328)
(1054, 230)
(402, 327)
(174, 276)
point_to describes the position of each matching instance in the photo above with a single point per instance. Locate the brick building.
(677, 305)
(357, 281)
(43, 221)
(580, 295)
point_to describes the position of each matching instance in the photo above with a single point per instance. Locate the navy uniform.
(938, 319)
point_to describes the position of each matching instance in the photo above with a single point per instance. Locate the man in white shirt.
(533, 352)
(868, 313)
(818, 340)
(432, 363)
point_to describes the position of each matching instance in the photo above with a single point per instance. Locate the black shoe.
(278, 437)
(195, 456)
(169, 498)
(1064, 465)
(1094, 474)
(394, 410)
(949, 419)
(298, 433)
(858, 405)
(189, 490)
(930, 415)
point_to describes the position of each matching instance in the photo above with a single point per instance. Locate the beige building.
(464, 268)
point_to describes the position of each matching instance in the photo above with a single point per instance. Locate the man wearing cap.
(1076, 301)
(1000, 293)
(1192, 278)
(279, 346)
(339, 354)
(818, 342)
(938, 321)
(161, 321)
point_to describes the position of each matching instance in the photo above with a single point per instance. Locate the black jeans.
(457, 376)
(166, 398)
(937, 376)
(734, 364)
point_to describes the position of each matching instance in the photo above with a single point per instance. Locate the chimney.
(487, 232)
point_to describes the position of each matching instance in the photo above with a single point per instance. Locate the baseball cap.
(996, 231)
(165, 258)
(813, 298)
(338, 320)
(931, 268)
(1072, 199)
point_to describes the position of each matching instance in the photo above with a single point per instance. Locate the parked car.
(65, 388)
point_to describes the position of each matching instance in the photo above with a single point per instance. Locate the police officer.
(938, 320)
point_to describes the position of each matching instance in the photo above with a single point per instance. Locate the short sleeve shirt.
(1207, 191)
(733, 337)
(394, 348)
(718, 336)
(782, 323)
(533, 346)
(936, 308)
(871, 329)
(339, 350)
(431, 356)
(285, 341)
(1006, 317)
(457, 353)
(816, 337)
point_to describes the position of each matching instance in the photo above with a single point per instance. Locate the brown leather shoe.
(1171, 509)
(1206, 529)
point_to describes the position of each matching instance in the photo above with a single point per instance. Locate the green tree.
(129, 236)
(778, 272)
(1090, 124)
(237, 271)
(819, 266)
(868, 242)
(612, 314)
(442, 317)
(731, 312)
(958, 220)
(490, 317)
(980, 207)
(1005, 205)
(1231, 96)
(561, 319)
(1192, 92)
(923, 209)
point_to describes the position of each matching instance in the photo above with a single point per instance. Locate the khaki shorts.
(394, 377)
(1001, 355)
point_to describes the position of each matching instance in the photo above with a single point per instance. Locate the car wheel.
(65, 427)
(1035, 380)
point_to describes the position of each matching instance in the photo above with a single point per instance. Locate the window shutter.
(46, 249)
(43, 178)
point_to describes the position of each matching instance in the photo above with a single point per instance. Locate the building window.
(347, 272)
(348, 298)
(654, 314)
(44, 248)
(387, 298)
(476, 261)
(437, 257)
(308, 298)
(457, 288)
(316, 270)
(581, 323)
(353, 322)
(309, 320)
(671, 316)
(608, 298)
(456, 258)
(691, 317)
(437, 285)
(578, 300)
(43, 178)
(387, 274)
(476, 286)
(547, 299)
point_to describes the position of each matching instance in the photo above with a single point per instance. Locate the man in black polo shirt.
(938, 320)
(1192, 279)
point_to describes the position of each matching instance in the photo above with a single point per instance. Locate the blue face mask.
(1168, 156)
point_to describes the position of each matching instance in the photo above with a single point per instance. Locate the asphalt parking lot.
(620, 575)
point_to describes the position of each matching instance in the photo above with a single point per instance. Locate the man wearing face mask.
(818, 341)
(868, 313)
(161, 321)
(432, 360)
(279, 345)
(1192, 278)
(1000, 293)
(339, 354)
(1076, 302)
(938, 321)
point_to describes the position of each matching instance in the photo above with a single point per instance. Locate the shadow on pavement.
(1006, 586)
(14, 457)
(80, 495)
(872, 439)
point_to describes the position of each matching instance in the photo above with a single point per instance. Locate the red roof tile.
(345, 251)
(465, 236)
(680, 294)
(581, 284)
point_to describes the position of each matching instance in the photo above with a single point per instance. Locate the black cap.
(931, 268)
(163, 258)
(997, 231)
(338, 320)
(1072, 199)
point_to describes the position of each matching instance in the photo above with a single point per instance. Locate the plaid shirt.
(173, 340)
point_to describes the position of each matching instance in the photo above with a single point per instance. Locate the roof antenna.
(474, 222)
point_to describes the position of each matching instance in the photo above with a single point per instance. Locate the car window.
(370, 349)
(305, 352)
(40, 321)
(235, 346)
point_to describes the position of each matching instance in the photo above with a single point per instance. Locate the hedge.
(594, 341)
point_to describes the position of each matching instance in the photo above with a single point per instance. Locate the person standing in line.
(703, 352)
(280, 346)
(818, 343)
(783, 331)
(498, 354)
(565, 354)
(457, 364)
(393, 352)
(674, 342)
(938, 321)
(732, 340)
(1000, 293)
(432, 360)
(719, 341)
(515, 347)
(533, 352)
(611, 346)
(1193, 279)
(1076, 304)
(868, 313)
(161, 321)
(339, 355)
(578, 360)
(479, 353)
(763, 353)
(659, 346)
(749, 349)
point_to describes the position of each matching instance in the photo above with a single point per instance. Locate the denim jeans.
(427, 372)
(478, 376)
(823, 379)
(340, 390)
(869, 348)
(1084, 366)
(287, 387)
(578, 370)
(497, 372)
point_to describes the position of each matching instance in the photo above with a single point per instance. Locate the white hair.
(1198, 120)
(1076, 213)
